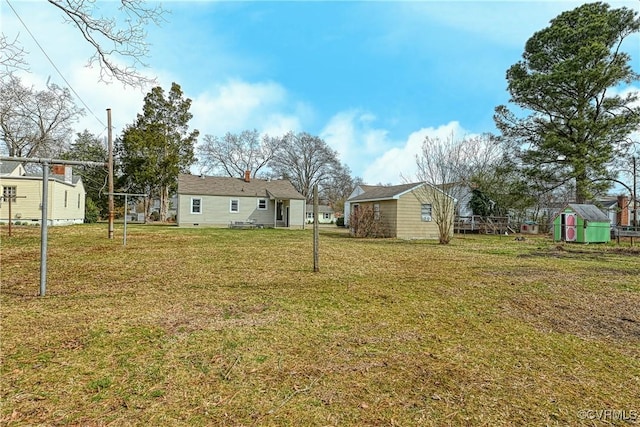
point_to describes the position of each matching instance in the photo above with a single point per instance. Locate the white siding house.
(326, 214)
(22, 194)
(208, 201)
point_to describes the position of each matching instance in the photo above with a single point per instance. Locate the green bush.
(340, 222)
(91, 212)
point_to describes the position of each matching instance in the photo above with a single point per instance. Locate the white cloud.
(238, 105)
(399, 163)
(352, 135)
(516, 22)
(125, 103)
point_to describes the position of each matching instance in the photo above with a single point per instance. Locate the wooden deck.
(483, 225)
(618, 232)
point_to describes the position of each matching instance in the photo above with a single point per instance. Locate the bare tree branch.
(234, 154)
(11, 56)
(305, 160)
(35, 123)
(113, 38)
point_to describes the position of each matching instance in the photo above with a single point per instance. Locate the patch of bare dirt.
(571, 309)
(583, 252)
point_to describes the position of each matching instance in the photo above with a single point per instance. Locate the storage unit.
(581, 223)
(529, 227)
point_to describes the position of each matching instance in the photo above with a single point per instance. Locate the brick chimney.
(622, 213)
(63, 170)
(247, 176)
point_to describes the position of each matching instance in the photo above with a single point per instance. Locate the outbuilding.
(401, 211)
(581, 223)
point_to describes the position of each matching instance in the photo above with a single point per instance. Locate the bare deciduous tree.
(444, 166)
(11, 56)
(338, 187)
(234, 154)
(119, 41)
(35, 123)
(305, 160)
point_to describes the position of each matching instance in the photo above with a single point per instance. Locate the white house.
(223, 202)
(22, 195)
(326, 214)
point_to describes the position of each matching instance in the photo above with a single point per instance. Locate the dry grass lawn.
(199, 327)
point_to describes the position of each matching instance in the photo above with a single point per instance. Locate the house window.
(310, 215)
(196, 206)
(9, 192)
(376, 211)
(262, 204)
(234, 206)
(78, 201)
(426, 211)
(326, 215)
(66, 197)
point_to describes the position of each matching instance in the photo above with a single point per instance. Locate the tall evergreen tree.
(88, 147)
(157, 147)
(579, 125)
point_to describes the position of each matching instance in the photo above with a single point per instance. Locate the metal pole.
(43, 229)
(124, 237)
(316, 234)
(10, 218)
(635, 195)
(635, 203)
(110, 172)
(45, 201)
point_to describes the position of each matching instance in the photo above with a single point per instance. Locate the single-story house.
(326, 214)
(22, 195)
(405, 210)
(581, 223)
(210, 201)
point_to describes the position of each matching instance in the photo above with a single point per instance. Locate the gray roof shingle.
(8, 166)
(226, 186)
(380, 192)
(589, 212)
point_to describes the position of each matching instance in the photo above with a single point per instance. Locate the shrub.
(340, 222)
(364, 223)
(91, 212)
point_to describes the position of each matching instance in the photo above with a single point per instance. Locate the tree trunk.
(164, 203)
(582, 193)
(147, 208)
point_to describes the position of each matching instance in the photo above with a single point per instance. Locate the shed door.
(570, 224)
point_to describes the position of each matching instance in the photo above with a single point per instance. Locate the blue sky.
(371, 78)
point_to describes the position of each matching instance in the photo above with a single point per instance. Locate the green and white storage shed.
(581, 223)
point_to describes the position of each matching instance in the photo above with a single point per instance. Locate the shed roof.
(384, 192)
(226, 186)
(589, 212)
